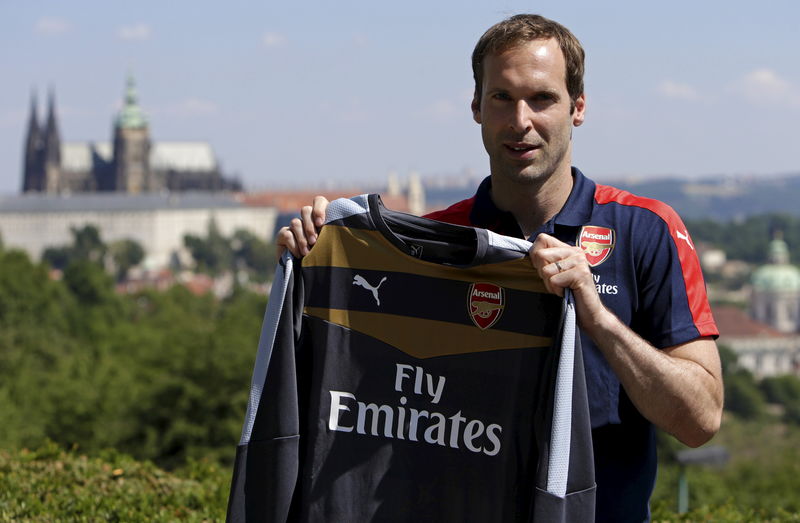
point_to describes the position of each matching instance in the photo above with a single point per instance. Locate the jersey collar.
(576, 211)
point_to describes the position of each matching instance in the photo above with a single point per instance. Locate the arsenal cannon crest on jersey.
(486, 302)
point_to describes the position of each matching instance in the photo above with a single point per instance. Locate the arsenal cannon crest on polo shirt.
(597, 243)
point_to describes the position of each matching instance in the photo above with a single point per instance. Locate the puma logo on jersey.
(684, 237)
(361, 282)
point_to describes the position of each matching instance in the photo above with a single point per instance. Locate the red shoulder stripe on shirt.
(690, 264)
(457, 214)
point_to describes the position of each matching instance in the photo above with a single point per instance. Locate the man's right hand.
(301, 234)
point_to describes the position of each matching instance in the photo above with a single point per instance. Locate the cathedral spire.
(52, 139)
(31, 177)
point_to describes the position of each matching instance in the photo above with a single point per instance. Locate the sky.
(294, 94)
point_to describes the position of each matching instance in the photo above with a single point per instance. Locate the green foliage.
(125, 254)
(213, 253)
(785, 391)
(87, 246)
(760, 482)
(781, 389)
(748, 239)
(255, 254)
(162, 376)
(742, 395)
(51, 484)
(244, 251)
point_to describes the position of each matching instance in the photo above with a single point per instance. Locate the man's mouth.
(521, 149)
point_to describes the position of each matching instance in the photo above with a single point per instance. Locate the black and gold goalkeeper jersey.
(411, 370)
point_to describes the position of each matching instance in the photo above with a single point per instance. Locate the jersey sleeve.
(673, 306)
(266, 466)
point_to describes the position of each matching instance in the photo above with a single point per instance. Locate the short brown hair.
(520, 29)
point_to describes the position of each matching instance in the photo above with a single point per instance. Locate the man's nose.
(521, 121)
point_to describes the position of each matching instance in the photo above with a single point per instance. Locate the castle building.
(132, 163)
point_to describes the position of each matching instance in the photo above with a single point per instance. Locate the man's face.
(524, 112)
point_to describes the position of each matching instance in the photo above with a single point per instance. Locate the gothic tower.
(131, 147)
(51, 149)
(32, 163)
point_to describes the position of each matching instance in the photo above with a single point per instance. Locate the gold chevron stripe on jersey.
(360, 249)
(423, 338)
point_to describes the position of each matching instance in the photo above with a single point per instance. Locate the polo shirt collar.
(576, 211)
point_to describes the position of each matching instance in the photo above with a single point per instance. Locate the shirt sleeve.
(673, 305)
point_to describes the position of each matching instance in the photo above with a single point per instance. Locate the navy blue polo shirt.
(647, 272)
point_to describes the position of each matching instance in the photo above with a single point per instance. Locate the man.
(647, 329)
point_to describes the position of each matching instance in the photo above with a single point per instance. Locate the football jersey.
(411, 370)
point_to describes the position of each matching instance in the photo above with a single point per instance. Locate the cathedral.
(131, 164)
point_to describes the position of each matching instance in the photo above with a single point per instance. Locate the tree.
(213, 254)
(125, 254)
(87, 244)
(255, 254)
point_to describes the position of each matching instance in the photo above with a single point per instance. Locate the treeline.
(748, 239)
(748, 398)
(161, 376)
(243, 253)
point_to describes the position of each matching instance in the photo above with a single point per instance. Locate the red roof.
(733, 322)
(291, 201)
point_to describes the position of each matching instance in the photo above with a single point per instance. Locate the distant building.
(761, 349)
(132, 163)
(159, 222)
(775, 299)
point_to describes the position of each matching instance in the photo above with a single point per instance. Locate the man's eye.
(545, 98)
(501, 96)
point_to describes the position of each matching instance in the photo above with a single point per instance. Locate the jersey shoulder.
(606, 194)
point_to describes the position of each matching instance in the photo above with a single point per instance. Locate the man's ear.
(579, 113)
(476, 108)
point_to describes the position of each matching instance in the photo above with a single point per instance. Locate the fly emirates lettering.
(348, 414)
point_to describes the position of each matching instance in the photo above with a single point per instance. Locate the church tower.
(51, 149)
(32, 163)
(131, 147)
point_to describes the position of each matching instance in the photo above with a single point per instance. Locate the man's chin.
(526, 176)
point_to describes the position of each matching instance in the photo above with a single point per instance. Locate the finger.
(309, 231)
(544, 240)
(542, 257)
(320, 205)
(285, 240)
(298, 234)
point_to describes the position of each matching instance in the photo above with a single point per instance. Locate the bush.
(51, 484)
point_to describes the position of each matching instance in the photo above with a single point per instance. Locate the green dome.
(779, 275)
(777, 278)
(131, 115)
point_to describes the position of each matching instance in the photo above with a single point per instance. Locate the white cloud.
(51, 26)
(271, 39)
(766, 87)
(764, 82)
(678, 91)
(134, 32)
